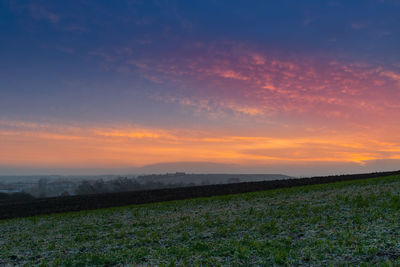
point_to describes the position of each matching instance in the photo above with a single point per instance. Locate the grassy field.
(346, 223)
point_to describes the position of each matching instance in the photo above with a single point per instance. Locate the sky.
(296, 87)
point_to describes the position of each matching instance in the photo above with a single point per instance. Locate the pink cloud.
(391, 74)
(259, 83)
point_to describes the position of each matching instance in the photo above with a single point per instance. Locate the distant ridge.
(295, 169)
(189, 167)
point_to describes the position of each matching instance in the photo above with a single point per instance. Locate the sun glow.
(136, 146)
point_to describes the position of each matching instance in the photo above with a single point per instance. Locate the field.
(343, 223)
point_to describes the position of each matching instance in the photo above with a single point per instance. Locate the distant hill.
(202, 179)
(188, 167)
(296, 169)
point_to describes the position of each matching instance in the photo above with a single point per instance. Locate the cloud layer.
(254, 84)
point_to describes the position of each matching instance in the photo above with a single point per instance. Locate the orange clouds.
(134, 134)
(134, 146)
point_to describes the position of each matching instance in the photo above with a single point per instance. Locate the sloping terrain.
(352, 222)
(31, 207)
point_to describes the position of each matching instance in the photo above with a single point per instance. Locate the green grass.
(339, 224)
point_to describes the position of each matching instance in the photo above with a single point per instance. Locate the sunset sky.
(297, 87)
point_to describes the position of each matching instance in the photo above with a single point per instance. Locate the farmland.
(349, 223)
